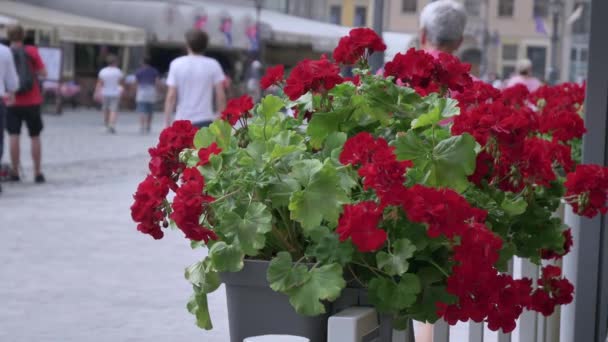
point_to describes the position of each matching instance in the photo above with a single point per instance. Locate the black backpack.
(24, 70)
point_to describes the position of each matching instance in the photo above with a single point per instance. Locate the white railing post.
(441, 331)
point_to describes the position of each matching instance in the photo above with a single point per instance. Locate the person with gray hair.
(524, 76)
(442, 25)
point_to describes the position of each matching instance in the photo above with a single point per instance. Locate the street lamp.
(556, 10)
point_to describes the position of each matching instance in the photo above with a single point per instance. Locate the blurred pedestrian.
(442, 25)
(9, 83)
(147, 78)
(192, 82)
(524, 76)
(109, 86)
(254, 74)
(27, 102)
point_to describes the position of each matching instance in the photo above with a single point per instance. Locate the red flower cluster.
(316, 76)
(428, 74)
(482, 292)
(507, 126)
(378, 166)
(359, 222)
(206, 152)
(443, 210)
(165, 156)
(147, 209)
(274, 75)
(237, 108)
(360, 42)
(568, 242)
(553, 290)
(189, 204)
(587, 189)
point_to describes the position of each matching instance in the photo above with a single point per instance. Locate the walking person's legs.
(33, 120)
(112, 103)
(14, 152)
(14, 118)
(146, 110)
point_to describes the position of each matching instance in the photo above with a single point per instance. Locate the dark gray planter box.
(255, 309)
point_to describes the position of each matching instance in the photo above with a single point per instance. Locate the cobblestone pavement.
(73, 267)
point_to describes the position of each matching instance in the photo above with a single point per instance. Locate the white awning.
(396, 42)
(6, 20)
(70, 27)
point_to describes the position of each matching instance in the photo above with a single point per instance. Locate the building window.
(472, 7)
(509, 52)
(538, 56)
(360, 16)
(409, 6)
(505, 8)
(508, 71)
(573, 54)
(335, 14)
(584, 55)
(541, 8)
(582, 25)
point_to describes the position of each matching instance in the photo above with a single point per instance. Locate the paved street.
(74, 268)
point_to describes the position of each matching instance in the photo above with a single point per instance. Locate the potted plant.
(414, 187)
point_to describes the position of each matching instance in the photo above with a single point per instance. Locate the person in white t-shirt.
(110, 87)
(192, 81)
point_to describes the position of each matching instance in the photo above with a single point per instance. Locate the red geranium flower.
(360, 42)
(165, 156)
(359, 222)
(587, 189)
(189, 204)
(206, 152)
(237, 108)
(316, 76)
(147, 209)
(274, 75)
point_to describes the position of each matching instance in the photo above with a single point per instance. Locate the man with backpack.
(27, 102)
(9, 82)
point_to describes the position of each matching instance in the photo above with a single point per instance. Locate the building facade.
(498, 33)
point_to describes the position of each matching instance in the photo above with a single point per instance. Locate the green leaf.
(203, 138)
(391, 297)
(411, 147)
(304, 170)
(323, 124)
(333, 145)
(285, 143)
(425, 309)
(441, 108)
(225, 257)
(448, 164)
(248, 230)
(283, 275)
(395, 263)
(203, 276)
(222, 133)
(330, 249)
(321, 199)
(270, 106)
(325, 283)
(199, 308)
(514, 206)
(280, 191)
